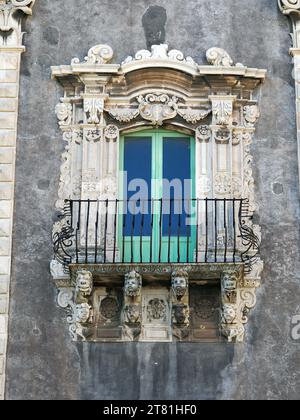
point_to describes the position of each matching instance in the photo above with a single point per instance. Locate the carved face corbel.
(180, 283)
(84, 283)
(133, 284)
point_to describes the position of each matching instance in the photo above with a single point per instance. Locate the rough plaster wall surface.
(42, 361)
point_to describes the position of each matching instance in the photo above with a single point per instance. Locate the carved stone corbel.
(132, 312)
(180, 304)
(238, 297)
(93, 108)
(77, 301)
(222, 108)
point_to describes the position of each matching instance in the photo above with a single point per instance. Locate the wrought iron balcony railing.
(156, 231)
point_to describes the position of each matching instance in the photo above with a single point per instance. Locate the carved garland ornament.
(89, 170)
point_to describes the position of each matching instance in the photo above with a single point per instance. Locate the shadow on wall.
(154, 23)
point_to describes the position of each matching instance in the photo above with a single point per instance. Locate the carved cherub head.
(180, 283)
(84, 282)
(228, 314)
(82, 313)
(133, 284)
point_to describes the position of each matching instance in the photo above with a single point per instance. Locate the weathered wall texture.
(42, 361)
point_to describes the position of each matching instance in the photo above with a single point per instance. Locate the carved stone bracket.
(77, 302)
(222, 108)
(238, 298)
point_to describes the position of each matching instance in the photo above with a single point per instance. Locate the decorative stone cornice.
(10, 26)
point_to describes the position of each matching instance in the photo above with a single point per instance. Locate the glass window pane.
(137, 185)
(176, 185)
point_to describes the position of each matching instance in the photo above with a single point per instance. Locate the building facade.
(149, 200)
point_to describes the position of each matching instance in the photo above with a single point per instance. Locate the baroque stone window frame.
(159, 88)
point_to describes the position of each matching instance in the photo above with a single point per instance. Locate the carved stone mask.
(82, 313)
(229, 282)
(180, 314)
(84, 282)
(133, 314)
(229, 313)
(133, 284)
(179, 283)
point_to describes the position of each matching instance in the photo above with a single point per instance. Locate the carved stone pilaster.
(291, 8)
(12, 13)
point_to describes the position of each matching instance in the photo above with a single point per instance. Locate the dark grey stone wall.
(42, 362)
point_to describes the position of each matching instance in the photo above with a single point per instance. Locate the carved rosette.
(203, 133)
